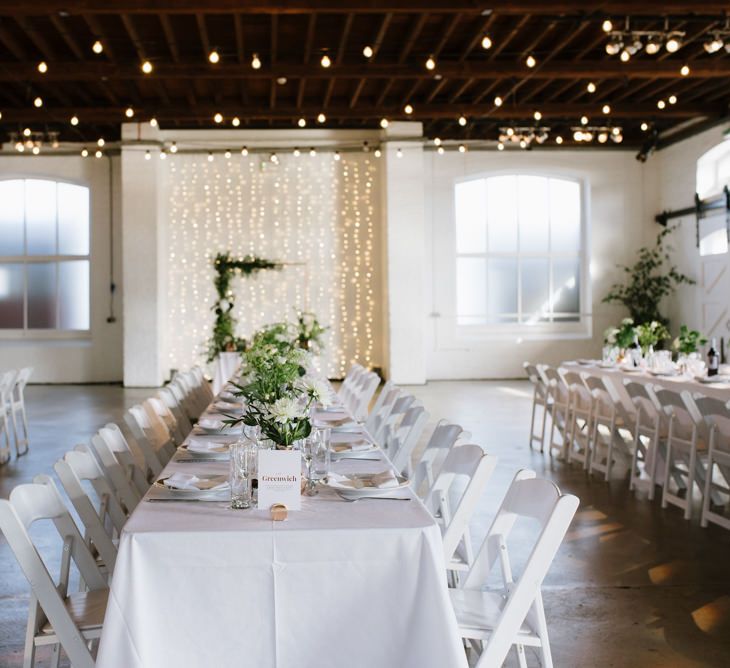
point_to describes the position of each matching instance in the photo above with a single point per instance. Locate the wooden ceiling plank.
(11, 44)
(170, 37)
(203, 32)
(36, 36)
(238, 26)
(63, 30)
(477, 36)
(412, 37)
(100, 34)
(134, 36)
(356, 93)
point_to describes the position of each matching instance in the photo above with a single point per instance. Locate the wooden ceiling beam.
(412, 37)
(308, 44)
(134, 36)
(477, 37)
(66, 36)
(548, 7)
(444, 111)
(340, 56)
(377, 43)
(12, 45)
(203, 32)
(170, 39)
(589, 70)
(100, 34)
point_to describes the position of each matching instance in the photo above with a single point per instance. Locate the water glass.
(321, 453)
(308, 447)
(242, 464)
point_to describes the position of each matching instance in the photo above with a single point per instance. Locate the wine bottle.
(713, 360)
(635, 352)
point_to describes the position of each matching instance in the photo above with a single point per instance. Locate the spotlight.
(653, 45)
(613, 47)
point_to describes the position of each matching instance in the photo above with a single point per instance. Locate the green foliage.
(651, 333)
(648, 282)
(224, 337)
(309, 331)
(688, 341)
(622, 336)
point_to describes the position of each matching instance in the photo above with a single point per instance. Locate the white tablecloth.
(356, 585)
(224, 367)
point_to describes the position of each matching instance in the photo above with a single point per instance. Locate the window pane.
(11, 217)
(566, 285)
(565, 215)
(533, 212)
(502, 214)
(535, 289)
(40, 216)
(471, 290)
(42, 295)
(73, 294)
(11, 296)
(713, 235)
(73, 219)
(471, 216)
(502, 286)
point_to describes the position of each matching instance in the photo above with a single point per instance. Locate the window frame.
(577, 329)
(26, 333)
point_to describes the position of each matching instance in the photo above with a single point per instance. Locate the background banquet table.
(338, 584)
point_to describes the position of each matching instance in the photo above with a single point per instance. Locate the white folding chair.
(580, 413)
(453, 499)
(362, 396)
(559, 399)
(392, 417)
(403, 439)
(201, 384)
(57, 618)
(127, 472)
(146, 438)
(184, 398)
(103, 520)
(716, 415)
(351, 376)
(17, 406)
(158, 411)
(514, 614)
(385, 392)
(7, 381)
(682, 463)
(170, 400)
(378, 419)
(541, 400)
(442, 439)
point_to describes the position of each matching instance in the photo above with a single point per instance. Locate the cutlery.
(175, 500)
(376, 498)
(362, 459)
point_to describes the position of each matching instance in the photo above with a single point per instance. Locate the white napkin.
(384, 480)
(228, 406)
(331, 416)
(199, 445)
(353, 446)
(190, 481)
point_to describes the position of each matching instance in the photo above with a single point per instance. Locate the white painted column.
(405, 241)
(142, 258)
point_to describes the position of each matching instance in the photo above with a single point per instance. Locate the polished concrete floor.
(632, 585)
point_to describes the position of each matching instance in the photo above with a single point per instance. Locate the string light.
(27, 132)
(408, 109)
(602, 137)
(214, 57)
(607, 25)
(218, 118)
(38, 102)
(337, 156)
(431, 63)
(644, 127)
(297, 152)
(244, 151)
(462, 121)
(384, 123)
(147, 67)
(365, 147)
(486, 42)
(312, 152)
(173, 147)
(537, 116)
(42, 67)
(584, 120)
(558, 140)
(498, 101)
(673, 43)
(440, 150)
(256, 61)
(153, 122)
(462, 148)
(591, 87)
(97, 47)
(227, 154)
(321, 118)
(163, 154)
(437, 141)
(129, 112)
(98, 154)
(530, 61)
(684, 70)
(625, 56)
(74, 120)
(100, 142)
(500, 146)
(672, 99)
(661, 104)
(302, 122)
(399, 153)
(235, 121)
(367, 51)
(377, 153)
(37, 149)
(84, 152)
(606, 109)
(210, 156)
(325, 61)
(147, 155)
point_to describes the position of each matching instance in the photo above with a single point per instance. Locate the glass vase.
(242, 471)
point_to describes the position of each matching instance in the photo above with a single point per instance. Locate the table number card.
(280, 478)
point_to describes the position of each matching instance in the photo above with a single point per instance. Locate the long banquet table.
(337, 584)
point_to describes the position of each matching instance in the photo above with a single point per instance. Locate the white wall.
(97, 358)
(619, 202)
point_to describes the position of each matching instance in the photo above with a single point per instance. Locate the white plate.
(631, 369)
(584, 362)
(710, 380)
(224, 431)
(664, 373)
(219, 452)
(205, 480)
(356, 493)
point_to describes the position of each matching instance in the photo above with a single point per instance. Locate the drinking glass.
(321, 454)
(242, 462)
(308, 447)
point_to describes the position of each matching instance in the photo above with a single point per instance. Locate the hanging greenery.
(648, 282)
(224, 337)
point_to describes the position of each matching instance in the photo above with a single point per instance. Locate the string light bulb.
(173, 147)
(43, 67)
(537, 116)
(147, 67)
(100, 142)
(498, 101)
(584, 120)
(625, 56)
(607, 25)
(37, 149)
(384, 123)
(462, 148)
(297, 152)
(38, 102)
(218, 118)
(235, 121)
(437, 141)
(672, 99)
(312, 152)
(153, 122)
(606, 109)
(84, 152)
(486, 42)
(377, 153)
(227, 154)
(256, 61)
(367, 51)
(244, 151)
(430, 63)
(684, 70)
(644, 127)
(321, 118)
(27, 132)
(147, 155)
(210, 156)
(558, 140)
(337, 156)
(408, 109)
(325, 61)
(129, 112)
(98, 154)
(661, 104)
(440, 150)
(74, 120)
(97, 47)
(462, 121)
(500, 146)
(214, 57)
(530, 61)
(163, 154)
(365, 147)
(302, 122)
(591, 87)
(602, 137)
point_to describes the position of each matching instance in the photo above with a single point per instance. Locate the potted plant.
(689, 341)
(650, 334)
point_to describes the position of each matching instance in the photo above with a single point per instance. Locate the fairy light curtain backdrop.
(319, 214)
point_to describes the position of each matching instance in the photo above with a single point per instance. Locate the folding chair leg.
(56, 656)
(520, 650)
(532, 422)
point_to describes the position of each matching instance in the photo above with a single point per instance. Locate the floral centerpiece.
(309, 331)
(651, 333)
(688, 341)
(621, 336)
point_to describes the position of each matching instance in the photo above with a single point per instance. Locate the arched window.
(713, 174)
(519, 247)
(44, 255)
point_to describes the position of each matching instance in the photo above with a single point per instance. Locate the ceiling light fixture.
(147, 67)
(256, 61)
